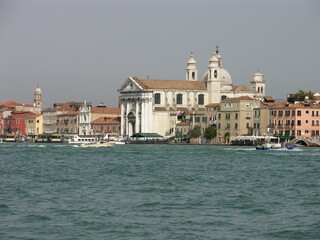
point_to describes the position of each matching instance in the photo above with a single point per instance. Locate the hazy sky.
(80, 50)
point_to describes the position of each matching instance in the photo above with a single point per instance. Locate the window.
(204, 119)
(236, 125)
(179, 98)
(215, 74)
(299, 113)
(299, 123)
(200, 99)
(280, 113)
(157, 98)
(299, 132)
(236, 116)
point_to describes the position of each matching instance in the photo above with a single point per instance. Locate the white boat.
(270, 143)
(114, 138)
(83, 139)
(97, 144)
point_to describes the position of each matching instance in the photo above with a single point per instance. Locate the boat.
(83, 139)
(49, 138)
(269, 143)
(56, 138)
(97, 144)
(114, 138)
(10, 138)
(42, 138)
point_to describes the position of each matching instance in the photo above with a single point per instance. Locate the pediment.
(130, 85)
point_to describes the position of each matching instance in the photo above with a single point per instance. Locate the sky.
(84, 50)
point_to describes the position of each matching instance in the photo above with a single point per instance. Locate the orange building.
(296, 120)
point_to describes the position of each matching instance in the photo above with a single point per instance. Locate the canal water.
(61, 191)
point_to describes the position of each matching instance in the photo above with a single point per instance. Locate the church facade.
(154, 106)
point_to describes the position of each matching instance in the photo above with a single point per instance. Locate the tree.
(305, 94)
(195, 132)
(210, 132)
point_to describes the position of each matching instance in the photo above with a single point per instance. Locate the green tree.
(303, 93)
(210, 132)
(195, 132)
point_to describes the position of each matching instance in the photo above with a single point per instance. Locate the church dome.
(225, 77)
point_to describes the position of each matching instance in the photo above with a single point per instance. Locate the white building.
(152, 106)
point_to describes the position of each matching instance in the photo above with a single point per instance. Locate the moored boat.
(10, 138)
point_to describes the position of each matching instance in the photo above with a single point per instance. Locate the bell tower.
(191, 71)
(213, 78)
(37, 101)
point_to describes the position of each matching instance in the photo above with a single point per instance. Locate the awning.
(147, 135)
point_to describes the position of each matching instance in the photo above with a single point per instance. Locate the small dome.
(37, 90)
(214, 58)
(191, 60)
(257, 77)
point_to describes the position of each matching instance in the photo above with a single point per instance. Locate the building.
(88, 115)
(105, 125)
(153, 105)
(235, 118)
(49, 120)
(262, 121)
(296, 120)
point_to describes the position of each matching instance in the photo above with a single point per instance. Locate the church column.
(137, 116)
(150, 116)
(147, 114)
(127, 120)
(143, 117)
(122, 117)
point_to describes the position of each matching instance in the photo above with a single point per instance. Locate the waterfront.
(61, 191)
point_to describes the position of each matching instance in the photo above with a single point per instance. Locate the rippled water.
(50, 191)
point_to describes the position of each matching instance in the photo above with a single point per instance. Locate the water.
(50, 191)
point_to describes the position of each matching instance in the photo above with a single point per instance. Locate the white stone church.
(152, 105)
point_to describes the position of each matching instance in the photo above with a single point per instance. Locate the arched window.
(223, 97)
(215, 74)
(157, 98)
(200, 99)
(179, 98)
(193, 75)
(261, 90)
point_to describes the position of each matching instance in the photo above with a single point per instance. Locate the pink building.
(297, 120)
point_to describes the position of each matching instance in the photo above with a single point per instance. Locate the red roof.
(106, 121)
(238, 98)
(106, 110)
